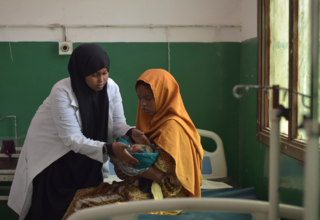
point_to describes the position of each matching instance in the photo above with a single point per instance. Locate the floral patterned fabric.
(128, 190)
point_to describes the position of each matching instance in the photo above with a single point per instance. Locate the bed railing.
(215, 159)
(130, 210)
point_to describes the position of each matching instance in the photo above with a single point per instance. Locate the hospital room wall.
(31, 64)
(254, 156)
(204, 60)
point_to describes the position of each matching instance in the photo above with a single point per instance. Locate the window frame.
(289, 144)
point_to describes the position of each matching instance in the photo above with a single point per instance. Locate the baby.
(141, 148)
(146, 154)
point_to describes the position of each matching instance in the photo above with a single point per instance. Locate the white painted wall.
(124, 12)
(249, 19)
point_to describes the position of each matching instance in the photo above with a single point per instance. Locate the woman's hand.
(119, 150)
(153, 173)
(119, 173)
(139, 137)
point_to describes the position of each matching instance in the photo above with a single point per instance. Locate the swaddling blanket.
(146, 159)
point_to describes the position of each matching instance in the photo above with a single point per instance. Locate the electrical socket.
(65, 48)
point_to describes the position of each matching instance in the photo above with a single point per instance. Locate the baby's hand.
(132, 148)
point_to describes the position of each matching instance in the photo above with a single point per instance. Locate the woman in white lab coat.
(68, 141)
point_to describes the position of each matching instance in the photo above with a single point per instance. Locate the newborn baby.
(141, 148)
(146, 155)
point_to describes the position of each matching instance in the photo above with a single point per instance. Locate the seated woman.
(164, 120)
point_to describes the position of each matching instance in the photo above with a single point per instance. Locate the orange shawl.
(172, 129)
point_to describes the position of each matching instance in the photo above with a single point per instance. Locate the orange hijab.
(172, 129)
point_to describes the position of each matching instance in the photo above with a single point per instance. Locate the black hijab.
(85, 60)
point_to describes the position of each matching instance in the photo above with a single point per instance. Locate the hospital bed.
(227, 203)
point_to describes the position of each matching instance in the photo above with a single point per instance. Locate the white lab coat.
(54, 131)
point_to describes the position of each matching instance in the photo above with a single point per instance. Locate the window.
(284, 60)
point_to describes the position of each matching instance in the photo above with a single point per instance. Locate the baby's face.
(141, 148)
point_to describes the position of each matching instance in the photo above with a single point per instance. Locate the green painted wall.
(206, 73)
(254, 156)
